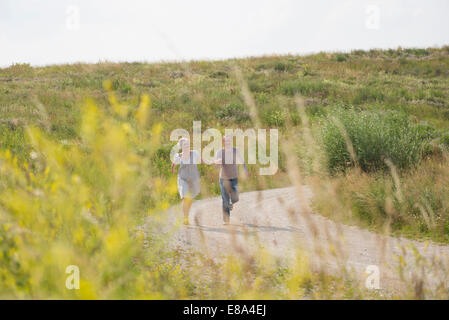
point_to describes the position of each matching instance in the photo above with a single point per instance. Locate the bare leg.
(186, 205)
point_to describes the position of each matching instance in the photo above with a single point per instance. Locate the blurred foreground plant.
(79, 204)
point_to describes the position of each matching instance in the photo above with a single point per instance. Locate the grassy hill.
(375, 94)
(414, 81)
(84, 158)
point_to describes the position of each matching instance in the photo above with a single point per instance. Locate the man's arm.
(200, 160)
(242, 161)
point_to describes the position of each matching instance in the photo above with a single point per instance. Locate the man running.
(228, 159)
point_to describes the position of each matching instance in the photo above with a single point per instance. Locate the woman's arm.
(175, 162)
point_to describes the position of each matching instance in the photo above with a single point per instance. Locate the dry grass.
(82, 202)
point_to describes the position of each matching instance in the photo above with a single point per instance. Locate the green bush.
(160, 161)
(218, 74)
(418, 52)
(368, 94)
(445, 141)
(375, 136)
(274, 118)
(234, 112)
(260, 83)
(306, 87)
(340, 57)
(280, 66)
(121, 86)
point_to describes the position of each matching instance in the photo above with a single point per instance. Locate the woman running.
(188, 175)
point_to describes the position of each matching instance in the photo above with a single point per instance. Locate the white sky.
(44, 32)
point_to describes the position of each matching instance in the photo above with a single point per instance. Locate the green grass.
(375, 137)
(78, 186)
(401, 97)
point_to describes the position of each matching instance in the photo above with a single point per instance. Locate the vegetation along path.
(281, 221)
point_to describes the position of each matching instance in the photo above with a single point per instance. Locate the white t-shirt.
(195, 155)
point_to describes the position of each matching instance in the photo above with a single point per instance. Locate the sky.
(44, 32)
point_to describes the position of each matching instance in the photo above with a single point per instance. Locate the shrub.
(121, 85)
(368, 94)
(306, 87)
(218, 74)
(274, 118)
(234, 112)
(340, 57)
(306, 70)
(444, 141)
(375, 136)
(358, 52)
(259, 83)
(161, 160)
(280, 66)
(418, 52)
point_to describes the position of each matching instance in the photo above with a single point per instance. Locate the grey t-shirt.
(229, 161)
(187, 168)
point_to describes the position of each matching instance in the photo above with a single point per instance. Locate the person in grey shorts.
(188, 175)
(228, 159)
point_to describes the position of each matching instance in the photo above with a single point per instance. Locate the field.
(85, 160)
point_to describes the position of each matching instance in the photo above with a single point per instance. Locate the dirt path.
(280, 221)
